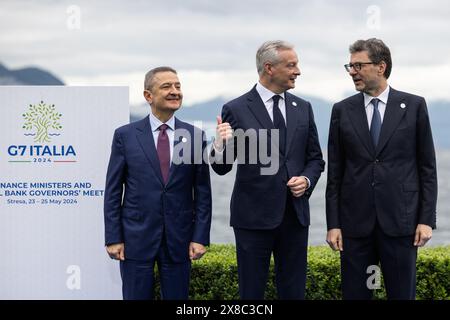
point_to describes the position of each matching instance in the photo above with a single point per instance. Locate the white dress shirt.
(154, 125)
(383, 97)
(267, 97)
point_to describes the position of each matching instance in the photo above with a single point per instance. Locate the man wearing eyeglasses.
(382, 184)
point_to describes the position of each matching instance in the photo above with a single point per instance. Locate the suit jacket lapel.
(257, 107)
(358, 119)
(391, 119)
(145, 137)
(292, 118)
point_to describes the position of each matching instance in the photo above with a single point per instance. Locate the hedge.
(215, 275)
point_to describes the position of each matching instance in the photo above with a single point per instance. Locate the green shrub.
(215, 275)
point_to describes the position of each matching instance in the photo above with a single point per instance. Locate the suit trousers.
(397, 256)
(289, 244)
(138, 277)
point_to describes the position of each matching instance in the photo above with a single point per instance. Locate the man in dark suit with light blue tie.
(382, 182)
(158, 195)
(270, 210)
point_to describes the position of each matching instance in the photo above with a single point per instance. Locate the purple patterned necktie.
(163, 150)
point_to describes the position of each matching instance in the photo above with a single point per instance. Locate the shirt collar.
(155, 122)
(265, 93)
(383, 97)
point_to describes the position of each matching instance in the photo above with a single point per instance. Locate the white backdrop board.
(54, 149)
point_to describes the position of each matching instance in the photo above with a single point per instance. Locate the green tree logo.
(42, 117)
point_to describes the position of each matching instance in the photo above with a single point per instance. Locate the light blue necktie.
(375, 126)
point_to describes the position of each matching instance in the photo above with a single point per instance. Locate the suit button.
(373, 184)
(376, 161)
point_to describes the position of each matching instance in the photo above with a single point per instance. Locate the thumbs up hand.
(223, 134)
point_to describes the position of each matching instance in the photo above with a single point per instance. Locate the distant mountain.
(27, 76)
(207, 111)
(203, 111)
(439, 111)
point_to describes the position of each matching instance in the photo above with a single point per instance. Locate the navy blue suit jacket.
(181, 208)
(258, 201)
(394, 183)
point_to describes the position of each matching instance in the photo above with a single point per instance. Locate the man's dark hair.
(376, 50)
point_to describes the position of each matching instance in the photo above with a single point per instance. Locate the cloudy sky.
(213, 43)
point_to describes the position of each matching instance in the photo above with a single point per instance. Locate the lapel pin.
(294, 103)
(184, 139)
(402, 105)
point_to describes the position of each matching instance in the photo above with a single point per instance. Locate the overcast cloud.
(213, 43)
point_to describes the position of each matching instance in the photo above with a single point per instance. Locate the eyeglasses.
(356, 66)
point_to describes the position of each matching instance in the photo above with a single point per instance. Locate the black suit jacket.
(258, 201)
(394, 183)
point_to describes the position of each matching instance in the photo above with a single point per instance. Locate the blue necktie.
(375, 126)
(278, 123)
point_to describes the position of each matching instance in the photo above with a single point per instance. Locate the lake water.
(222, 186)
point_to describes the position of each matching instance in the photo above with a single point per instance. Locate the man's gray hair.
(268, 52)
(376, 50)
(150, 76)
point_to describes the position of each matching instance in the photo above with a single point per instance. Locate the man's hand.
(196, 250)
(116, 251)
(224, 133)
(298, 186)
(423, 234)
(334, 239)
